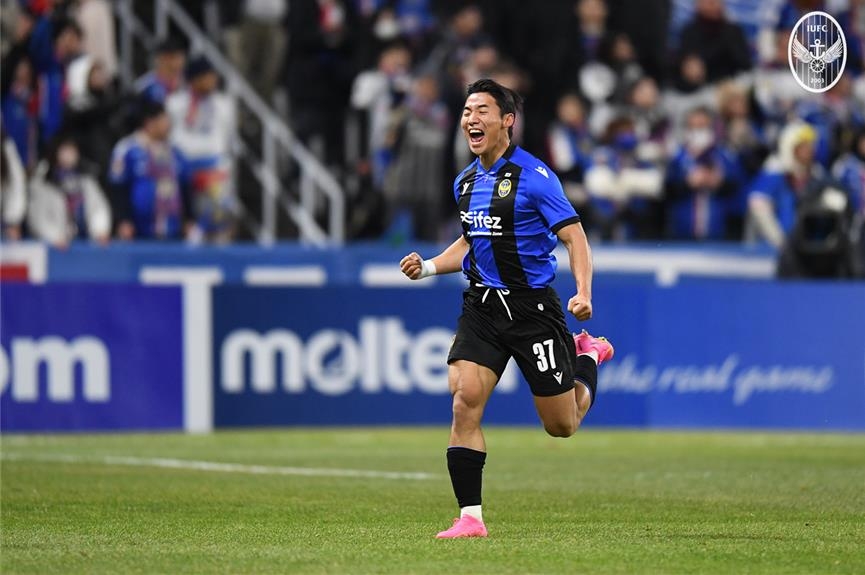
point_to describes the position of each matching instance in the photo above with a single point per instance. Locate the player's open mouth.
(476, 136)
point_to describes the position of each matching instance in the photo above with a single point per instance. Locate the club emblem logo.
(817, 52)
(504, 188)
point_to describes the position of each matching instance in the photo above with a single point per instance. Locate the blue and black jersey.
(510, 215)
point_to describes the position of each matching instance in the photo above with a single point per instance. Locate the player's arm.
(449, 261)
(580, 258)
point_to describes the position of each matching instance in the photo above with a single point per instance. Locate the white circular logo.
(817, 51)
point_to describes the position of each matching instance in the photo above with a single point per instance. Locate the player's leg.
(563, 379)
(562, 414)
(476, 361)
(471, 385)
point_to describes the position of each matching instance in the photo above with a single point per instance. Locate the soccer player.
(512, 210)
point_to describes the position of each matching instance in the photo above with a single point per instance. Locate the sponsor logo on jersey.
(481, 223)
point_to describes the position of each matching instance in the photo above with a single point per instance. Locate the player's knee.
(466, 407)
(561, 428)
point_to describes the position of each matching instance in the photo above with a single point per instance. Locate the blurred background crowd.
(664, 119)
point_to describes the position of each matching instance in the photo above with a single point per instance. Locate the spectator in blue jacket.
(785, 180)
(625, 190)
(20, 107)
(702, 181)
(166, 77)
(67, 37)
(569, 148)
(148, 178)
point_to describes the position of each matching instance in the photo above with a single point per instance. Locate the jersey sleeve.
(551, 201)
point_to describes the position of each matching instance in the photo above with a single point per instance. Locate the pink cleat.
(465, 526)
(586, 343)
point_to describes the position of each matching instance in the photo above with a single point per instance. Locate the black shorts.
(528, 325)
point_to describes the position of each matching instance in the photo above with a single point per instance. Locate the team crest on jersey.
(817, 51)
(504, 188)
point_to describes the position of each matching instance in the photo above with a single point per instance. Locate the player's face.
(483, 124)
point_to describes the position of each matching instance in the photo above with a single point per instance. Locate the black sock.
(586, 371)
(466, 467)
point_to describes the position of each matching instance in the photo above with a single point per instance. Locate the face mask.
(699, 139)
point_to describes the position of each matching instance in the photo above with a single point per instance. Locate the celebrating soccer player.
(512, 210)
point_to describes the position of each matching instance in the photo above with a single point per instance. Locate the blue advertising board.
(736, 355)
(333, 355)
(91, 357)
(729, 354)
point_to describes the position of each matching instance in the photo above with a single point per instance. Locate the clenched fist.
(581, 307)
(412, 266)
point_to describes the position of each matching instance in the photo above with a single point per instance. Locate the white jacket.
(14, 192)
(209, 132)
(47, 216)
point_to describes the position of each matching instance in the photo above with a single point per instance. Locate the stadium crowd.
(663, 118)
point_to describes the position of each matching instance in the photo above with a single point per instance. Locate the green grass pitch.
(599, 502)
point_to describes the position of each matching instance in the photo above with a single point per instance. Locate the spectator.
(847, 109)
(66, 203)
(849, 169)
(17, 31)
(92, 102)
(320, 72)
(378, 93)
(606, 83)
(776, 192)
(569, 148)
(97, 21)
(650, 119)
(776, 92)
(742, 135)
(463, 34)
(415, 183)
(67, 38)
(702, 181)
(203, 129)
(592, 24)
(148, 180)
(625, 190)
(411, 21)
(482, 63)
(257, 47)
(167, 74)
(13, 191)
(618, 53)
(719, 43)
(826, 125)
(688, 90)
(47, 15)
(20, 109)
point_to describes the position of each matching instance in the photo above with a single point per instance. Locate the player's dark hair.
(508, 101)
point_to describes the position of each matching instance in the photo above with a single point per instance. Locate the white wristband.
(427, 268)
